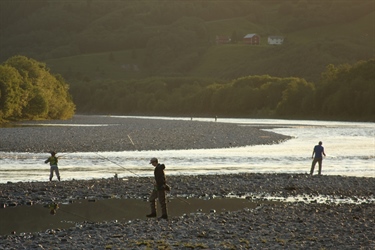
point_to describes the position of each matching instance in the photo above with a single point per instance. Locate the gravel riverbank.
(240, 211)
(105, 133)
(334, 212)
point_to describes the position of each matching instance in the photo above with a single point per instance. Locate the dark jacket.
(160, 176)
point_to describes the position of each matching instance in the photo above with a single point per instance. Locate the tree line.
(344, 92)
(29, 91)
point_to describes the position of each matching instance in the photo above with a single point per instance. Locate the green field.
(305, 53)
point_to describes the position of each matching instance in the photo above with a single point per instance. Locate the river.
(349, 146)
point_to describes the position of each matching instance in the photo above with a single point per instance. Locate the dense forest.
(344, 92)
(161, 58)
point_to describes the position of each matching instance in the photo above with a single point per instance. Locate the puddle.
(37, 218)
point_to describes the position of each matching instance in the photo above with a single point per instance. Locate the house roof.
(250, 35)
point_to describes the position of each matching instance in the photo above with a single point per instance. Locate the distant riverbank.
(104, 133)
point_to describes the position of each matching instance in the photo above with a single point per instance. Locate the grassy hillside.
(360, 32)
(110, 65)
(305, 53)
(111, 40)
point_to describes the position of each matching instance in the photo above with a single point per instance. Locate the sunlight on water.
(350, 149)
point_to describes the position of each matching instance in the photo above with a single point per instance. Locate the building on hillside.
(252, 39)
(275, 40)
(222, 39)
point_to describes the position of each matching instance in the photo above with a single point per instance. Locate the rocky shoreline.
(257, 211)
(334, 212)
(106, 133)
(252, 186)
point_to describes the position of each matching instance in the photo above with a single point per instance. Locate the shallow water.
(350, 149)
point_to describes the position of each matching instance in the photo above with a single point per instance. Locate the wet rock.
(335, 219)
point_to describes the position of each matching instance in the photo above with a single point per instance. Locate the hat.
(153, 159)
(53, 152)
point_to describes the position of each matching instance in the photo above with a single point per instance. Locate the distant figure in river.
(159, 191)
(318, 152)
(53, 163)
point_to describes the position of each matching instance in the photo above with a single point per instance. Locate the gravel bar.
(284, 211)
(86, 133)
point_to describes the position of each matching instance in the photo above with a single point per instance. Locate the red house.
(252, 39)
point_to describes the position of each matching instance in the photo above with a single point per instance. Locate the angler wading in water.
(318, 151)
(53, 160)
(159, 191)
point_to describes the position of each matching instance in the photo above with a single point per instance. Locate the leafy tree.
(30, 91)
(37, 106)
(12, 96)
(296, 98)
(347, 91)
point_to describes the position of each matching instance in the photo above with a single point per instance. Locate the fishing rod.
(65, 154)
(169, 187)
(102, 156)
(134, 173)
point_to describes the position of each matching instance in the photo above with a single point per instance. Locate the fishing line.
(170, 192)
(65, 154)
(137, 175)
(104, 157)
(117, 164)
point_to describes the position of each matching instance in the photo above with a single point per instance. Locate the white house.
(275, 40)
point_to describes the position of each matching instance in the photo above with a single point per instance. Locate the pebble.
(292, 225)
(86, 133)
(322, 212)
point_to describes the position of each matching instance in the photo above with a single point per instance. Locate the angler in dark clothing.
(318, 158)
(53, 163)
(159, 191)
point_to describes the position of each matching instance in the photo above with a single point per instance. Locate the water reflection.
(350, 149)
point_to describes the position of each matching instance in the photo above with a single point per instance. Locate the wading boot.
(152, 215)
(164, 217)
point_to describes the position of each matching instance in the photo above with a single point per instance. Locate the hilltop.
(163, 57)
(99, 40)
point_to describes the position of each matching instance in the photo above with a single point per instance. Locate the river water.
(349, 146)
